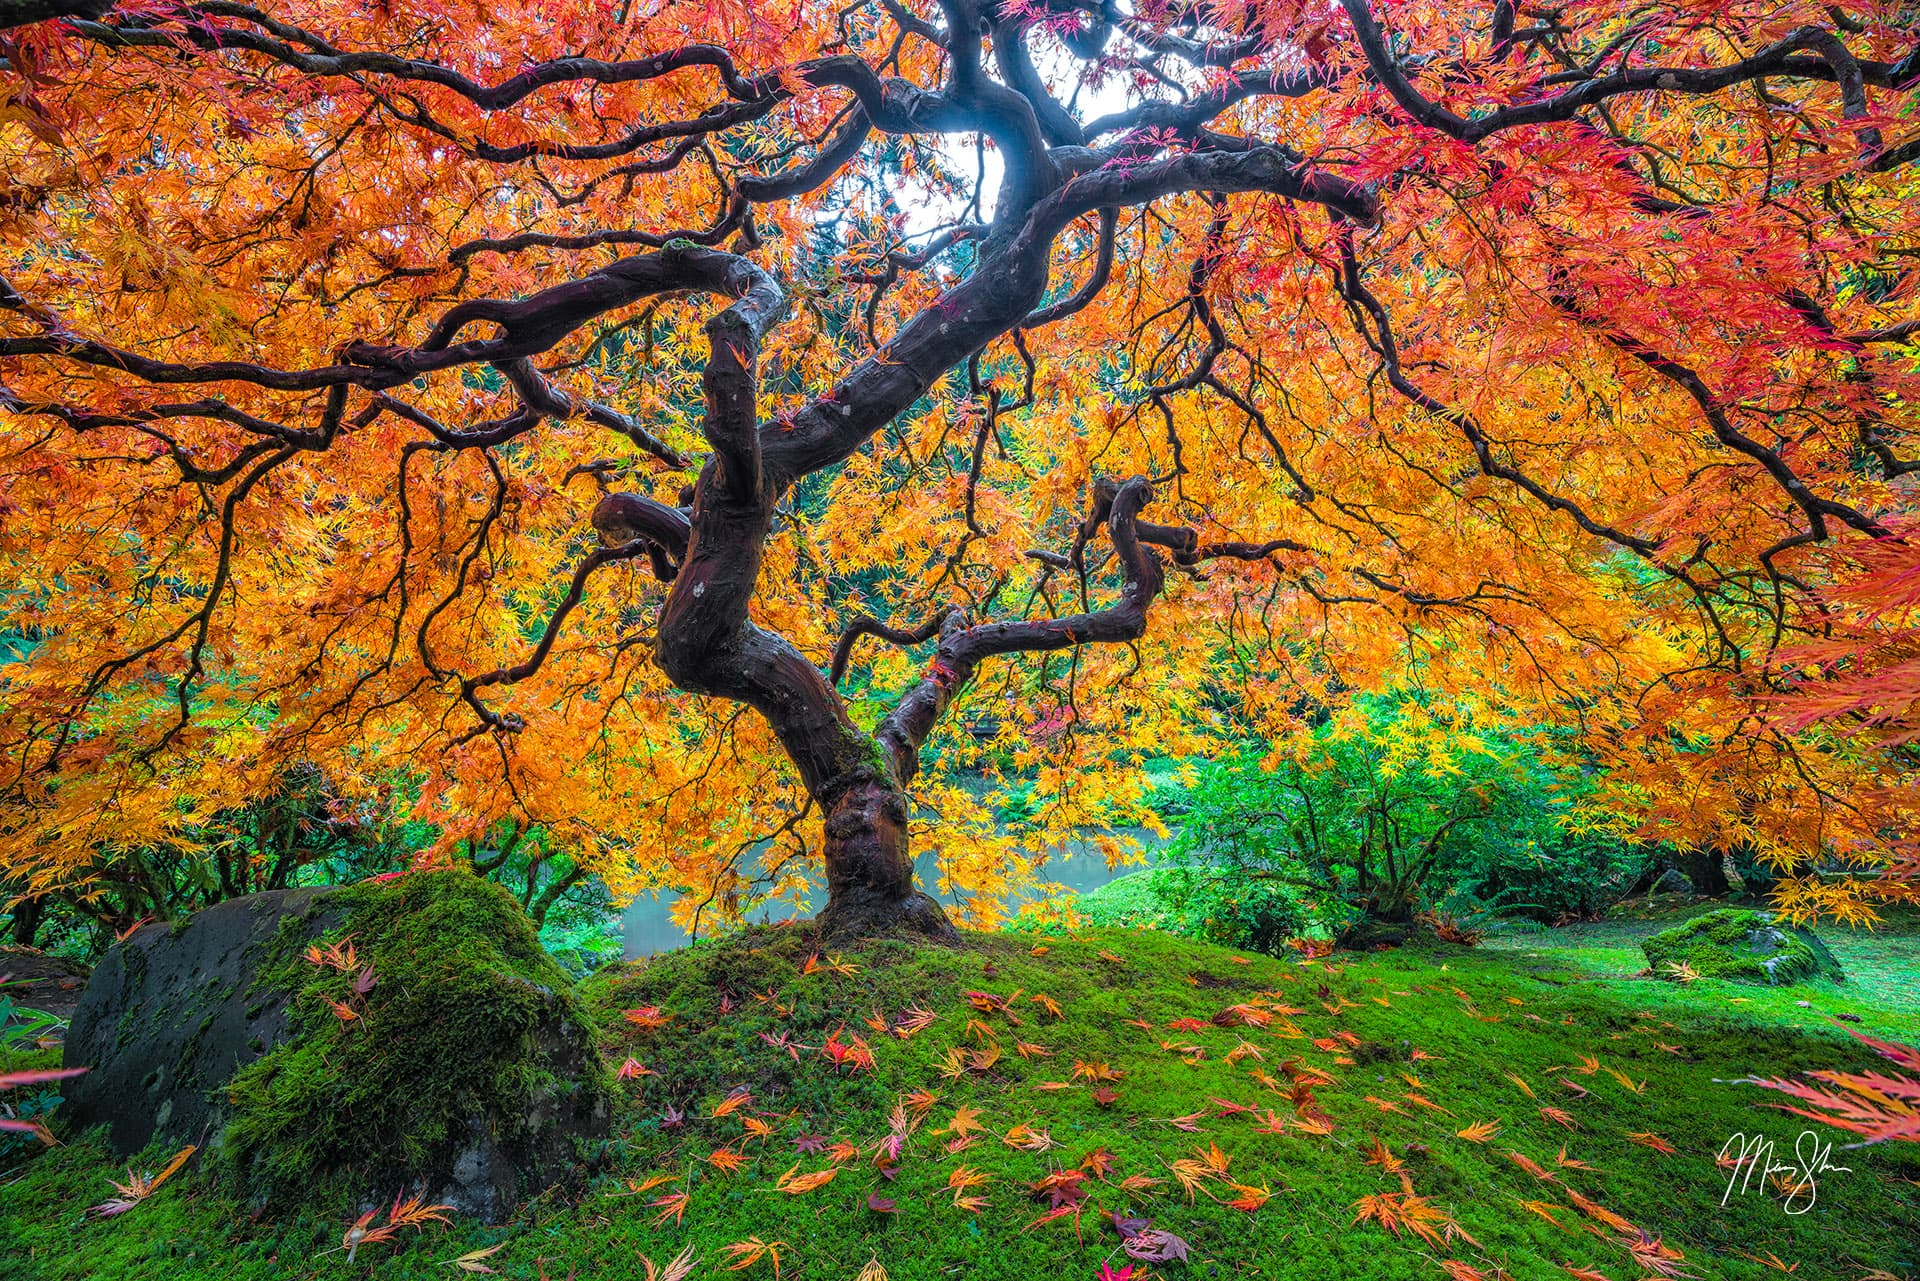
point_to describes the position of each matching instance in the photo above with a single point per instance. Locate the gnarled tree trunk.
(870, 884)
(27, 914)
(711, 554)
(1706, 867)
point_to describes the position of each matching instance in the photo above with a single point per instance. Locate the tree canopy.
(688, 424)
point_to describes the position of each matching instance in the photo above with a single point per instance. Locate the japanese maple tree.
(484, 403)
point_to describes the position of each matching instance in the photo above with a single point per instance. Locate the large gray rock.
(169, 1018)
(466, 1071)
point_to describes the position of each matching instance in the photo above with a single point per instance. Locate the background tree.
(1565, 353)
(1391, 808)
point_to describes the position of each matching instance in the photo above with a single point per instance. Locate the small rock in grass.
(1743, 946)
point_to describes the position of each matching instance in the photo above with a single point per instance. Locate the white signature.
(1752, 1163)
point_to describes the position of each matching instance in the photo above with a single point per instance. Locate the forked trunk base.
(870, 889)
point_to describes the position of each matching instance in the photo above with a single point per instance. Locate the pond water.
(1076, 865)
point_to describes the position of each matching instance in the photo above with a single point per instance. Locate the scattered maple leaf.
(1243, 1016)
(647, 1018)
(915, 1020)
(413, 1212)
(750, 1251)
(1530, 1167)
(1154, 1245)
(853, 1053)
(1245, 1050)
(1250, 1198)
(678, 1270)
(139, 1187)
(966, 1120)
(1098, 1163)
(339, 955)
(1028, 1139)
(1377, 1154)
(1771, 1260)
(475, 1260)
(800, 1185)
(1627, 1083)
(672, 1205)
(1599, 1213)
(726, 1159)
(1544, 1209)
(1399, 1212)
(640, 1187)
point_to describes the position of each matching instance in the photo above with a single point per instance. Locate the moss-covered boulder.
(1745, 946)
(347, 1043)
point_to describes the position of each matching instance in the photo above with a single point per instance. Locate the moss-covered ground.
(1560, 1047)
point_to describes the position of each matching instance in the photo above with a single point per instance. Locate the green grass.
(1882, 964)
(1529, 1007)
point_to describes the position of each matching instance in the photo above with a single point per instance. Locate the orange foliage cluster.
(1583, 413)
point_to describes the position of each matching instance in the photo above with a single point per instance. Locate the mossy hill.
(1162, 1052)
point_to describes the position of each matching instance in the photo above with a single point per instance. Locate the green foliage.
(301, 834)
(1538, 861)
(1745, 946)
(1395, 806)
(22, 1028)
(23, 1032)
(460, 987)
(582, 930)
(1207, 903)
(21, 1054)
(298, 832)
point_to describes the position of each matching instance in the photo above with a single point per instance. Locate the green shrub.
(1205, 903)
(1396, 806)
(1536, 867)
